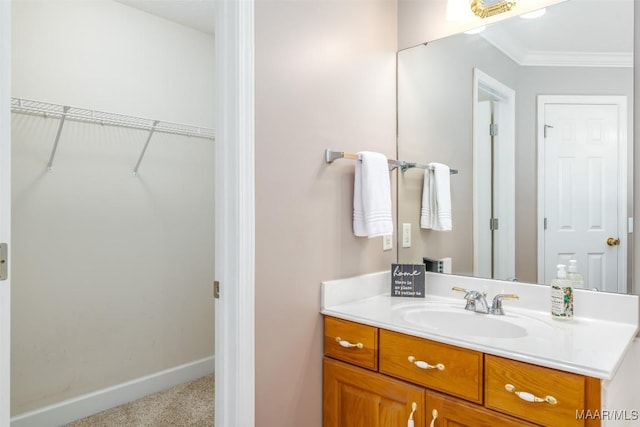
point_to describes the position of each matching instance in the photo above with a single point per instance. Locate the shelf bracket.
(144, 149)
(55, 143)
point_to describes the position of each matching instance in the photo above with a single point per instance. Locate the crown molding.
(530, 58)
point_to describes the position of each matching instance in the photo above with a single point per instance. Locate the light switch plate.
(406, 235)
(387, 242)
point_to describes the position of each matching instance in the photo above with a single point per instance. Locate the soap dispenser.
(561, 295)
(572, 274)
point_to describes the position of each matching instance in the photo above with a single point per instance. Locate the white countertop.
(592, 344)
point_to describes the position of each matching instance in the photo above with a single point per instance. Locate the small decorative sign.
(407, 280)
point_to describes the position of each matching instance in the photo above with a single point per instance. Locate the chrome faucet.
(477, 301)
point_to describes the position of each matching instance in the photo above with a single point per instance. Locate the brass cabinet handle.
(414, 406)
(424, 365)
(347, 344)
(530, 397)
(434, 414)
(613, 242)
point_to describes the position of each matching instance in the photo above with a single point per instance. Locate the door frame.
(621, 102)
(5, 208)
(506, 174)
(235, 214)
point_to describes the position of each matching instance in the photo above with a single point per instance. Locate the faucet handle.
(496, 306)
(469, 291)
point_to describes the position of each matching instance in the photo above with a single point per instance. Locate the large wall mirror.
(536, 117)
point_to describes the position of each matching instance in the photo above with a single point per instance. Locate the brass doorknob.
(613, 242)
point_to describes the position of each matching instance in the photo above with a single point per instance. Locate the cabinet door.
(355, 397)
(446, 411)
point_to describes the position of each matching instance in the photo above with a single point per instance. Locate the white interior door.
(584, 189)
(5, 207)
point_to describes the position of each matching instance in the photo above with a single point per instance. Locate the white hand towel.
(427, 210)
(436, 198)
(372, 196)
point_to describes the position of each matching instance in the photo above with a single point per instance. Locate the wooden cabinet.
(460, 387)
(453, 370)
(539, 394)
(355, 397)
(351, 342)
(445, 411)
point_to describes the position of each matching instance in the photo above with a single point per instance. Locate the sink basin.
(457, 321)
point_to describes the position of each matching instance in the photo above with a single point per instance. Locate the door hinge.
(216, 289)
(493, 129)
(4, 261)
(493, 224)
(545, 129)
(545, 223)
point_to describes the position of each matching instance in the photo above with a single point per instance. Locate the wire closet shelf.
(62, 112)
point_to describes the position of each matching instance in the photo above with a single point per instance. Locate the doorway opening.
(494, 178)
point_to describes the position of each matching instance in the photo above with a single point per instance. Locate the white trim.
(235, 214)
(577, 59)
(512, 48)
(621, 102)
(5, 207)
(101, 400)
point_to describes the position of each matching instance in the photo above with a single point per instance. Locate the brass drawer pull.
(530, 397)
(347, 344)
(424, 365)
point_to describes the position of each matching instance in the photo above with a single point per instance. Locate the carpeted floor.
(185, 405)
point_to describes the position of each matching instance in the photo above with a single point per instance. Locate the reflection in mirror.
(536, 115)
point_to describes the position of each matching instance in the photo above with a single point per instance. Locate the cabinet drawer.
(509, 385)
(351, 342)
(434, 365)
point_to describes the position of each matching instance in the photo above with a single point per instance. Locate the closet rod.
(330, 156)
(26, 106)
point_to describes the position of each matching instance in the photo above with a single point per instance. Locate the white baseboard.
(88, 404)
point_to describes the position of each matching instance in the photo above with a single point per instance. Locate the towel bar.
(331, 155)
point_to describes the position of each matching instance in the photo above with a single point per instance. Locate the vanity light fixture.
(535, 14)
(486, 8)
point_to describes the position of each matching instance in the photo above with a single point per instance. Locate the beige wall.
(111, 273)
(325, 78)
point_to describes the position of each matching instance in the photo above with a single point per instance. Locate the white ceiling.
(197, 14)
(575, 32)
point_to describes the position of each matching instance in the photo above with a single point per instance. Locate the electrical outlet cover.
(387, 242)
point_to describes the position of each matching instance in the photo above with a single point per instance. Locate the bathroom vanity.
(429, 362)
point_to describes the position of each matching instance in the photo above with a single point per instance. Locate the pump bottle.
(561, 295)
